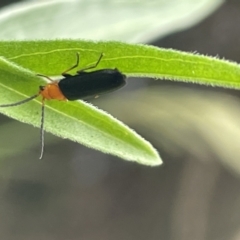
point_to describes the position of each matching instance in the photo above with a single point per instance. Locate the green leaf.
(135, 21)
(53, 57)
(77, 121)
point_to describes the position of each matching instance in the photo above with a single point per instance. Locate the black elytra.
(89, 84)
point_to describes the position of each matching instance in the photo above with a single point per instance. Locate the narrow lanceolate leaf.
(53, 57)
(77, 121)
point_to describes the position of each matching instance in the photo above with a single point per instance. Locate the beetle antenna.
(20, 102)
(42, 131)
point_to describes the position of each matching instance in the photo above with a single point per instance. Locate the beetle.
(84, 84)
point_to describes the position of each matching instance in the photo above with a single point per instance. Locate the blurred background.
(79, 193)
